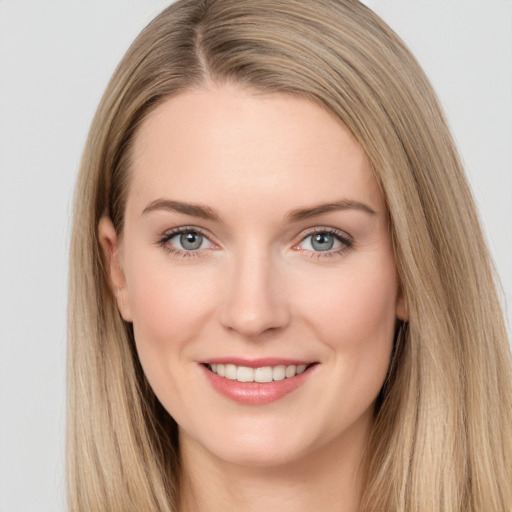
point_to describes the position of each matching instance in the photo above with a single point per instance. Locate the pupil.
(191, 241)
(322, 242)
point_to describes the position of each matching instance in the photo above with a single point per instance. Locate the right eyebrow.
(195, 210)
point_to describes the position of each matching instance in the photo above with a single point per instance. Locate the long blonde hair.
(442, 438)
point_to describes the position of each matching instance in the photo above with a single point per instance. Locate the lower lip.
(255, 393)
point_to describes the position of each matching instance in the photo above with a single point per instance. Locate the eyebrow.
(205, 212)
(343, 204)
(195, 210)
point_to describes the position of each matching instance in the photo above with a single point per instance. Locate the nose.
(255, 300)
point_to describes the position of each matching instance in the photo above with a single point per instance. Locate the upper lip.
(257, 363)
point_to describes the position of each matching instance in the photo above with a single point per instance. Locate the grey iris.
(191, 241)
(322, 242)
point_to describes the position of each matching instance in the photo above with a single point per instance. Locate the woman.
(280, 295)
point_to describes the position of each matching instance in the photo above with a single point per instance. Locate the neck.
(327, 478)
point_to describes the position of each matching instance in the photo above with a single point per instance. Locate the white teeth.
(244, 374)
(264, 374)
(230, 372)
(279, 372)
(290, 371)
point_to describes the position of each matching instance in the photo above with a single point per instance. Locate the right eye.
(185, 241)
(189, 241)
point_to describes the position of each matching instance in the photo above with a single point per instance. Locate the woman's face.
(256, 244)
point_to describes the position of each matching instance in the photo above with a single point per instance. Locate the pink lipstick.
(256, 381)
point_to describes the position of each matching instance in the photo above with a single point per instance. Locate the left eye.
(189, 241)
(321, 242)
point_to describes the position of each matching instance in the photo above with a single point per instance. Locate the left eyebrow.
(343, 204)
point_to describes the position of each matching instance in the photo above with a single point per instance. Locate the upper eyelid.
(170, 233)
(325, 229)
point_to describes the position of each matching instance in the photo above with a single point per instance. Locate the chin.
(258, 454)
(255, 447)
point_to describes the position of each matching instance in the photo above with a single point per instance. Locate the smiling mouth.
(262, 375)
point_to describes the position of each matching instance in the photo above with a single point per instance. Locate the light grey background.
(55, 60)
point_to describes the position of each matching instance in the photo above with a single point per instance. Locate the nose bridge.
(255, 301)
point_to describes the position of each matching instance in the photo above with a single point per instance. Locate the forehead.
(206, 144)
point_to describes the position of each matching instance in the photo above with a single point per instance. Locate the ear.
(110, 245)
(401, 307)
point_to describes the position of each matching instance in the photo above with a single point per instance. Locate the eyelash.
(345, 240)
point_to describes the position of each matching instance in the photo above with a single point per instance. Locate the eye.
(190, 241)
(325, 241)
(184, 241)
(320, 242)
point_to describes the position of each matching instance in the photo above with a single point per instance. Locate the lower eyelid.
(329, 254)
(183, 253)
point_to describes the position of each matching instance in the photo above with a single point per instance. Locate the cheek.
(356, 300)
(357, 324)
(367, 309)
(355, 316)
(169, 309)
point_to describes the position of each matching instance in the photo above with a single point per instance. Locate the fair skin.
(258, 277)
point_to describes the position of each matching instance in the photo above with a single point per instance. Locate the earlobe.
(112, 256)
